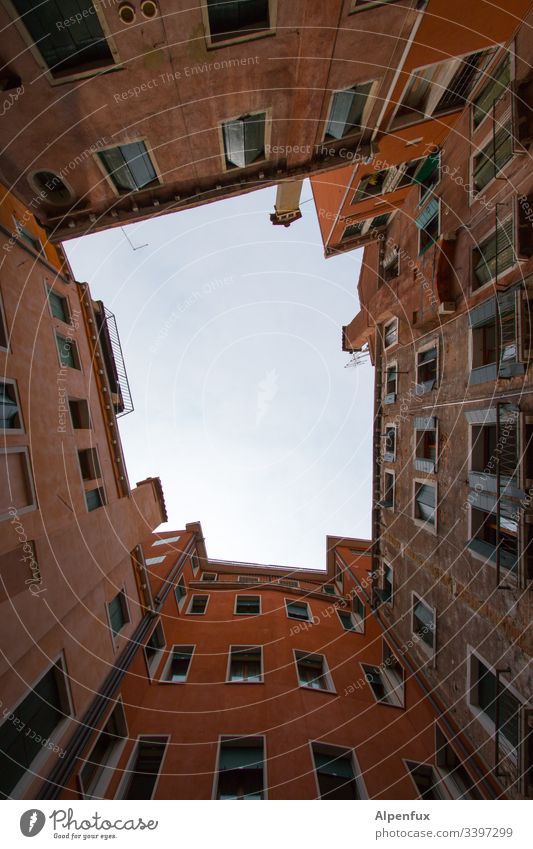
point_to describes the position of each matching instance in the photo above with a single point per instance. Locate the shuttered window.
(347, 109)
(494, 255)
(118, 613)
(493, 156)
(498, 83)
(144, 769)
(129, 166)
(424, 623)
(425, 502)
(244, 140)
(484, 696)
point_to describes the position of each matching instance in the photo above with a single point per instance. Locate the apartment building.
(261, 682)
(72, 586)
(147, 108)
(446, 296)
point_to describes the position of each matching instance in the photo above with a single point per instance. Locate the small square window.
(298, 610)
(329, 589)
(178, 664)
(94, 498)
(349, 621)
(249, 605)
(312, 671)
(68, 352)
(198, 605)
(245, 665)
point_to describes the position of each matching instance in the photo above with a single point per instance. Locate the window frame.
(422, 464)
(153, 665)
(109, 177)
(485, 721)
(384, 504)
(212, 577)
(103, 781)
(125, 613)
(73, 400)
(301, 654)
(359, 623)
(164, 671)
(3, 326)
(228, 169)
(330, 748)
(247, 36)
(504, 123)
(103, 496)
(242, 648)
(7, 431)
(288, 601)
(180, 603)
(234, 738)
(188, 612)
(490, 77)
(388, 395)
(394, 691)
(33, 505)
(430, 651)
(247, 613)
(165, 541)
(431, 242)
(367, 109)
(128, 772)
(425, 523)
(428, 346)
(390, 456)
(483, 240)
(73, 347)
(394, 320)
(50, 290)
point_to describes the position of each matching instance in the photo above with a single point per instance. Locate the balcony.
(111, 348)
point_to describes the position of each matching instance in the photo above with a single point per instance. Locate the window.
(498, 339)
(360, 5)
(312, 671)
(58, 306)
(153, 649)
(143, 769)
(329, 589)
(10, 418)
(79, 413)
(288, 582)
(178, 664)
(248, 605)
(428, 223)
(66, 49)
(456, 777)
(490, 160)
(427, 374)
(353, 230)
(27, 236)
(385, 591)
(389, 453)
(42, 710)
(425, 443)
(358, 608)
(4, 338)
(390, 268)
(245, 664)
(248, 579)
(68, 352)
(390, 334)
(428, 175)
(335, 772)
(484, 691)
(198, 605)
(94, 498)
(89, 465)
(16, 482)
(129, 167)
(423, 624)
(180, 591)
(425, 503)
(236, 19)
(195, 564)
(244, 140)
(165, 541)
(388, 490)
(490, 534)
(348, 111)
(498, 83)
(391, 384)
(298, 610)
(209, 576)
(386, 681)
(117, 611)
(439, 88)
(153, 561)
(427, 780)
(98, 766)
(349, 621)
(494, 255)
(241, 768)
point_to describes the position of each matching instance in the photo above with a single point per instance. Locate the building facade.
(446, 296)
(146, 108)
(70, 523)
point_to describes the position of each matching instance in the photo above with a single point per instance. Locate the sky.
(231, 334)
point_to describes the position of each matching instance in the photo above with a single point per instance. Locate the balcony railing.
(114, 360)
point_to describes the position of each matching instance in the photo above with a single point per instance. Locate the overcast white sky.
(231, 333)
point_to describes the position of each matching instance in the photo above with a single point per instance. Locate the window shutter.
(234, 143)
(425, 423)
(492, 92)
(483, 314)
(430, 210)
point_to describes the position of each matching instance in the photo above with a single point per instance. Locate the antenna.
(132, 246)
(358, 357)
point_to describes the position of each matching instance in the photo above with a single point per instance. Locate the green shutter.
(116, 614)
(57, 305)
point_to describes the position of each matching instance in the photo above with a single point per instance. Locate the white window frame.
(153, 665)
(423, 523)
(394, 691)
(390, 426)
(162, 678)
(21, 449)
(325, 672)
(357, 622)
(386, 324)
(252, 36)
(267, 112)
(427, 650)
(108, 177)
(108, 772)
(245, 595)
(288, 601)
(369, 105)
(222, 738)
(435, 430)
(484, 720)
(427, 346)
(49, 289)
(188, 611)
(131, 760)
(389, 365)
(242, 647)
(330, 748)
(115, 637)
(440, 781)
(210, 579)
(152, 561)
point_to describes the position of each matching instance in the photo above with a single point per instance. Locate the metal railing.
(114, 361)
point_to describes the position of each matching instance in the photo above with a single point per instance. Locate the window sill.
(238, 39)
(245, 682)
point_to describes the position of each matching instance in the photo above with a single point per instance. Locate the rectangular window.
(385, 591)
(386, 681)
(198, 605)
(231, 19)
(241, 768)
(353, 230)
(427, 370)
(329, 589)
(153, 649)
(498, 328)
(288, 582)
(348, 110)
(298, 610)
(428, 782)
(209, 576)
(391, 265)
(495, 88)
(248, 579)
(494, 255)
(423, 624)
(428, 176)
(10, 417)
(390, 334)
(58, 306)
(68, 352)
(493, 157)
(425, 443)
(42, 711)
(94, 498)
(195, 564)
(349, 621)
(425, 507)
(483, 695)
(312, 671)
(180, 591)
(389, 454)
(153, 561)
(165, 541)
(89, 465)
(16, 482)
(335, 773)
(79, 413)
(490, 534)
(4, 337)
(358, 611)
(66, 49)
(248, 605)
(144, 768)
(244, 140)
(117, 610)
(457, 778)
(428, 223)
(391, 384)
(178, 664)
(245, 664)
(99, 764)
(388, 490)
(129, 167)
(27, 236)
